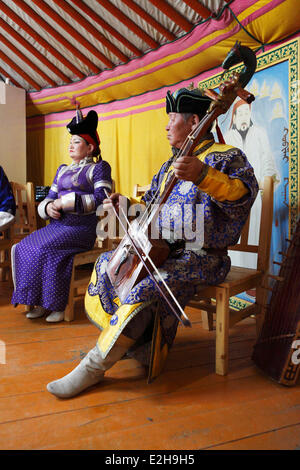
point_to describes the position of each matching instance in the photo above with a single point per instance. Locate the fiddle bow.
(137, 254)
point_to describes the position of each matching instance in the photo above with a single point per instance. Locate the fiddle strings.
(155, 198)
(148, 213)
(185, 321)
(290, 270)
(152, 209)
(289, 274)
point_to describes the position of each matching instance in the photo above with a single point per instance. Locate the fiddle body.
(125, 268)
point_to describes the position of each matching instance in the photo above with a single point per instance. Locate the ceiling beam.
(20, 40)
(169, 11)
(128, 23)
(97, 19)
(13, 16)
(149, 19)
(18, 53)
(53, 32)
(6, 75)
(19, 71)
(198, 8)
(91, 29)
(77, 37)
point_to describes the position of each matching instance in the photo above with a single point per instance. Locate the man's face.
(242, 117)
(178, 129)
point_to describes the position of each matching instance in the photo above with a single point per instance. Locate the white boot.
(37, 312)
(55, 317)
(90, 371)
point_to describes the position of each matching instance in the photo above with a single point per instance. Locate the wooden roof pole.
(149, 19)
(128, 23)
(172, 14)
(54, 33)
(16, 51)
(20, 40)
(12, 15)
(91, 29)
(97, 19)
(18, 70)
(198, 8)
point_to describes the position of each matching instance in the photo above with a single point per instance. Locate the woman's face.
(78, 148)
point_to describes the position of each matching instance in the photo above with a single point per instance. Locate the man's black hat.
(187, 101)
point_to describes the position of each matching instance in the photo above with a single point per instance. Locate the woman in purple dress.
(42, 262)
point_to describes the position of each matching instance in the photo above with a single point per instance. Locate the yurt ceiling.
(49, 43)
(100, 51)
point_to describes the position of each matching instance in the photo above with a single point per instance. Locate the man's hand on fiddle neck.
(188, 168)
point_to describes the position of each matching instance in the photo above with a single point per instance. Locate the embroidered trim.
(13, 265)
(62, 171)
(89, 174)
(42, 208)
(102, 184)
(54, 188)
(203, 174)
(88, 202)
(68, 202)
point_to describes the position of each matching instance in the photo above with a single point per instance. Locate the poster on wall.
(267, 132)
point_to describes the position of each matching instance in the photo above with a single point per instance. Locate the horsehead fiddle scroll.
(138, 255)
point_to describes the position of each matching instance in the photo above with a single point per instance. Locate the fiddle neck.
(192, 141)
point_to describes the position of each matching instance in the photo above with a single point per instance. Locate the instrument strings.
(148, 213)
(281, 317)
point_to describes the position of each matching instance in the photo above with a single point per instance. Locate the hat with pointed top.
(85, 127)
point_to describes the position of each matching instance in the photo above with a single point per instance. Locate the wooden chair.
(140, 190)
(81, 275)
(26, 222)
(5, 259)
(238, 280)
(82, 270)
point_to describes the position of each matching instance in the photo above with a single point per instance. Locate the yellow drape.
(135, 146)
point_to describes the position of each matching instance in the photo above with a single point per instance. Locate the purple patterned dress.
(42, 262)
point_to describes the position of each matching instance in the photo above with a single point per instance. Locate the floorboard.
(187, 407)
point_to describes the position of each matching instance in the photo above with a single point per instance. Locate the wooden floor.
(187, 407)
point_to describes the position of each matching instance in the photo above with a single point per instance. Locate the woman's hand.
(58, 204)
(112, 201)
(53, 209)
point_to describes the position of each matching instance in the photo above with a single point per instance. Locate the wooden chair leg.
(207, 320)
(9, 277)
(3, 270)
(69, 310)
(222, 330)
(261, 301)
